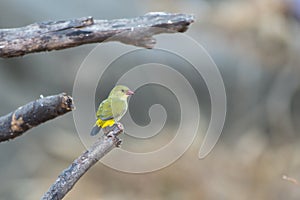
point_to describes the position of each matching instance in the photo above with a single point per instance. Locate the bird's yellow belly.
(103, 124)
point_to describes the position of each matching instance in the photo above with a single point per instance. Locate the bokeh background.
(255, 45)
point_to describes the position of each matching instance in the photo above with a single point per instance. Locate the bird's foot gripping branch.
(114, 131)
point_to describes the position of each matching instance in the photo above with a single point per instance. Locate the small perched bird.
(112, 109)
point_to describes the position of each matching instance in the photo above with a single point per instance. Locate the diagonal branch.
(32, 114)
(69, 177)
(55, 35)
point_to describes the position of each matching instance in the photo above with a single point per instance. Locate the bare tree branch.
(32, 114)
(55, 35)
(69, 177)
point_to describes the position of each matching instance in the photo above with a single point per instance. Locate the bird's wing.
(104, 111)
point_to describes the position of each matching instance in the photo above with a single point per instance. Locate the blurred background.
(255, 45)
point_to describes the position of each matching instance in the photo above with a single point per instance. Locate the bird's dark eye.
(123, 90)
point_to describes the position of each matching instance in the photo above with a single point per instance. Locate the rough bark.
(55, 35)
(32, 114)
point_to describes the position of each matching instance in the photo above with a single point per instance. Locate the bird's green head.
(121, 91)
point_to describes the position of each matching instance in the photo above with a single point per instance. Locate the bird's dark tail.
(95, 130)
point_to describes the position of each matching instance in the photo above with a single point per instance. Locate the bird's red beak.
(129, 92)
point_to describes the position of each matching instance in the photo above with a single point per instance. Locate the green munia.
(112, 109)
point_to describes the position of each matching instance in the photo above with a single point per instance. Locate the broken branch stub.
(32, 114)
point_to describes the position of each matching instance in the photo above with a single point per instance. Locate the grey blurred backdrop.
(255, 45)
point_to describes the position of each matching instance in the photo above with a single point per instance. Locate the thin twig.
(32, 114)
(291, 180)
(69, 177)
(55, 35)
